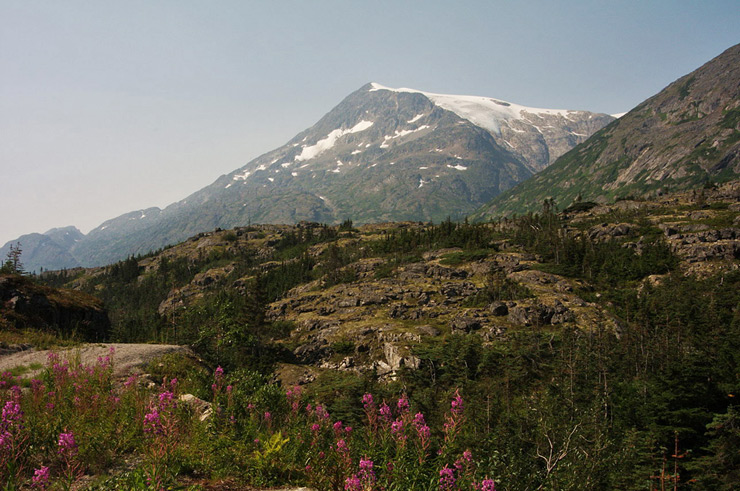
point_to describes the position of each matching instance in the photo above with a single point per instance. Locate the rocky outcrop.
(25, 304)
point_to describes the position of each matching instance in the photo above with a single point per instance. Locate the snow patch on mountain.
(321, 146)
(481, 111)
(242, 177)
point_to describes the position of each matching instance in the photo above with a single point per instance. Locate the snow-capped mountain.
(382, 154)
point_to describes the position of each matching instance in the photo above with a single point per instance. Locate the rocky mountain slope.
(381, 155)
(351, 302)
(683, 137)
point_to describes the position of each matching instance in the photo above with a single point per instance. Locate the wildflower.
(11, 413)
(166, 398)
(153, 422)
(67, 444)
(397, 426)
(485, 485)
(219, 372)
(366, 465)
(447, 479)
(467, 455)
(338, 427)
(321, 412)
(342, 446)
(367, 400)
(367, 474)
(315, 427)
(353, 483)
(424, 432)
(403, 404)
(457, 403)
(268, 416)
(385, 411)
(41, 477)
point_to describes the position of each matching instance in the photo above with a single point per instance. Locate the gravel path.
(127, 358)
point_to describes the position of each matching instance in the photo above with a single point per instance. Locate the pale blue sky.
(112, 106)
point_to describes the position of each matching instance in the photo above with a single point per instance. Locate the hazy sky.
(112, 106)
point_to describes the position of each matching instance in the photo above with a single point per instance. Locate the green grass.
(21, 370)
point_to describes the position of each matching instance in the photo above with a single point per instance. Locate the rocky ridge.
(371, 322)
(682, 138)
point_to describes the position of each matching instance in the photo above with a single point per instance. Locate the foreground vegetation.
(75, 419)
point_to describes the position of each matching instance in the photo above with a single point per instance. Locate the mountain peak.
(486, 112)
(380, 155)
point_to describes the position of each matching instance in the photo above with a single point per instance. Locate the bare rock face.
(540, 314)
(396, 360)
(609, 231)
(465, 324)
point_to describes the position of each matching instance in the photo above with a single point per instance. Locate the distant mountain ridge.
(684, 137)
(382, 154)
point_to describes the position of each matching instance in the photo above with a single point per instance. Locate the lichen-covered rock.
(465, 324)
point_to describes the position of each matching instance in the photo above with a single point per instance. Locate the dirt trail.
(127, 358)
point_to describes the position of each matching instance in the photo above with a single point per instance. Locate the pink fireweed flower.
(447, 479)
(166, 399)
(424, 432)
(485, 485)
(315, 427)
(41, 477)
(11, 413)
(337, 427)
(397, 426)
(366, 474)
(219, 373)
(229, 388)
(385, 412)
(403, 404)
(467, 456)
(367, 400)
(268, 416)
(321, 412)
(353, 483)
(457, 403)
(347, 430)
(366, 465)
(342, 446)
(153, 422)
(67, 444)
